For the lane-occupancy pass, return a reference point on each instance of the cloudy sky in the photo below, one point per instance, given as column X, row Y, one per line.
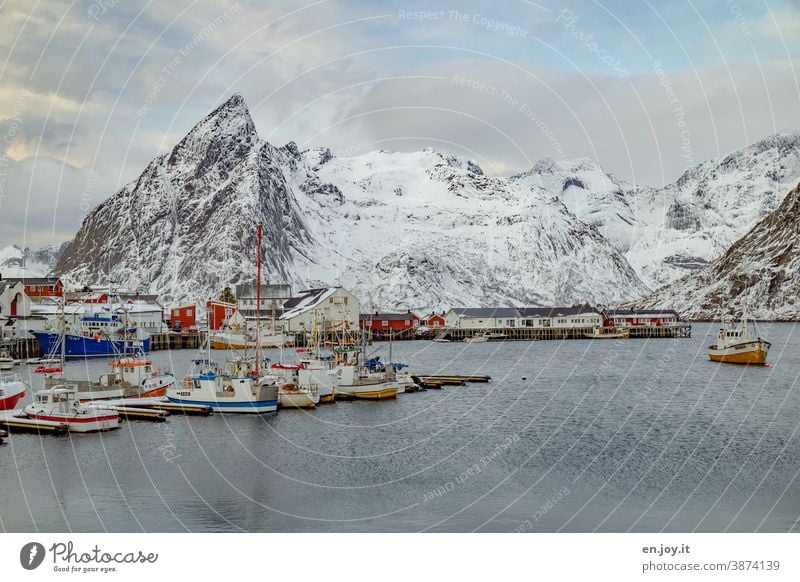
column 91, row 91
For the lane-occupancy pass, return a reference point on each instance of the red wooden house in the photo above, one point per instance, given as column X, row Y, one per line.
column 433, row 320
column 218, row 312
column 183, row 317
column 40, row 286
column 389, row 321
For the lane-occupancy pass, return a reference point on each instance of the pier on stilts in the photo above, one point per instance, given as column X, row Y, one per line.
column 568, row 333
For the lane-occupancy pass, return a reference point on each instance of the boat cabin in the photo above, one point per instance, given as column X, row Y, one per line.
column 62, row 398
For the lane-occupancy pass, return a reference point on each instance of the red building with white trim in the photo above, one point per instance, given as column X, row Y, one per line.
column 218, row 312
column 39, row 286
column 388, row 321
column 183, row 317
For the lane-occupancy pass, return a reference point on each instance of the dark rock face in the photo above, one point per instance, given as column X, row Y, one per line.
column 176, row 228
column 762, row 268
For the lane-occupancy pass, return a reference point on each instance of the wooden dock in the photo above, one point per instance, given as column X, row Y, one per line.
column 22, row 348
column 24, row 424
column 184, row 340
column 437, row 381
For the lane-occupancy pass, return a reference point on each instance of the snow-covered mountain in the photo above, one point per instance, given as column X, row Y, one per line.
column 400, row 229
column 16, row 261
column 667, row 232
column 762, row 268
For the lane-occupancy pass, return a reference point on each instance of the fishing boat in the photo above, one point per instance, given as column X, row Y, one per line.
column 609, row 332
column 355, row 380
column 61, row 404
column 238, row 387
column 737, row 345
column 246, row 340
column 12, row 390
column 132, row 377
column 292, row 393
column 100, row 335
column 486, row 336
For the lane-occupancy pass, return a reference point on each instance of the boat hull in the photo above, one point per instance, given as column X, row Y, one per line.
column 368, row 392
column 75, row 423
column 252, row 407
column 753, row 352
column 78, row 346
column 296, row 400
column 10, row 394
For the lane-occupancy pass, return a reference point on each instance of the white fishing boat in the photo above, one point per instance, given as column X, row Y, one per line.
column 486, row 336
column 60, row 404
column 12, row 390
column 608, row 333
column 292, row 393
column 246, row 340
column 239, row 387
column 356, row 382
column 736, row 344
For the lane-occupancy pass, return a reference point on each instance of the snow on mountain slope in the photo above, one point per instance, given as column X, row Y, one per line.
column 400, row 229
column 667, row 232
column 591, row 195
column 18, row 262
column 432, row 229
column 763, row 268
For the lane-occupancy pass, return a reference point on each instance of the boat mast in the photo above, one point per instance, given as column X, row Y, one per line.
column 258, row 301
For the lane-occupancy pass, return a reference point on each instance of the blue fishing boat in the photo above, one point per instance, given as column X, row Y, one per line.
column 100, row 337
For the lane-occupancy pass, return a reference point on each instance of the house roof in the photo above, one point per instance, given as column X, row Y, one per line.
column 308, row 299
column 6, row 284
column 640, row 312
column 33, row 280
column 486, row 311
column 555, row 311
column 387, row 316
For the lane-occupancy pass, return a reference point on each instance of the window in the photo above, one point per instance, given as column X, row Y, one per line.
column 407, row 322
column 384, row 323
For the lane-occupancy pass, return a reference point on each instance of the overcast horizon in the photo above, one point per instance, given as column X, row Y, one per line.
column 91, row 92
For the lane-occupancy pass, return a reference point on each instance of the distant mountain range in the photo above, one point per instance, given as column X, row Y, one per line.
column 761, row 269
column 424, row 228
column 16, row 261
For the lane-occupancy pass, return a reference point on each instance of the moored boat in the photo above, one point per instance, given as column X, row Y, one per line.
column 486, row 336
column 60, row 404
column 737, row 345
column 238, row 387
column 608, row 332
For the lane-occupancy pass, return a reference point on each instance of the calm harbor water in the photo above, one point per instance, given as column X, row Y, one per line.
column 642, row 435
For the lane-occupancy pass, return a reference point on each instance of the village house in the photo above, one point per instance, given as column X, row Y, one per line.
column 643, row 317
column 337, row 307
column 558, row 317
column 39, row 286
column 481, row 317
column 389, row 321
